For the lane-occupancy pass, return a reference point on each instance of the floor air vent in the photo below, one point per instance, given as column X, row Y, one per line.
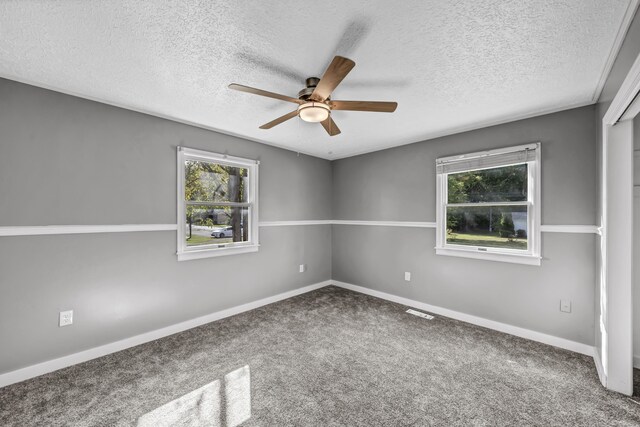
column 420, row 314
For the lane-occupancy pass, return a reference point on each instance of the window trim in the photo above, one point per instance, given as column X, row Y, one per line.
column 533, row 255
column 197, row 252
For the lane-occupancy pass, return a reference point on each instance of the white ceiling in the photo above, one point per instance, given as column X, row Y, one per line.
column 450, row 65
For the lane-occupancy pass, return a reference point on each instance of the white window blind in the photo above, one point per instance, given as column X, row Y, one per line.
column 487, row 159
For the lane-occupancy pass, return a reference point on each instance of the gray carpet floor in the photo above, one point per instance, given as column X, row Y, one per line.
column 327, row 358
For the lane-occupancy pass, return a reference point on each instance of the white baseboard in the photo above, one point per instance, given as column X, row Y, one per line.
column 599, row 368
column 92, row 353
column 636, row 362
column 486, row 323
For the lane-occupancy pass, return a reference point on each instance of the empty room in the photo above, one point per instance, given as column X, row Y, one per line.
column 295, row 213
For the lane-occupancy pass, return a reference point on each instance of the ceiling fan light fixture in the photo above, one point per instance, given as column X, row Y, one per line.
column 314, row 112
column 314, row 101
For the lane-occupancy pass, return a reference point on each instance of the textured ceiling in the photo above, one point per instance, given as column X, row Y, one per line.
column 450, row 65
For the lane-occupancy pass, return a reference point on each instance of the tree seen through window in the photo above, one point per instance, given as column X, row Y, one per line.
column 216, row 203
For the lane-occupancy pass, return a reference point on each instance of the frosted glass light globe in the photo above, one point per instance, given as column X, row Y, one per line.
column 314, row 112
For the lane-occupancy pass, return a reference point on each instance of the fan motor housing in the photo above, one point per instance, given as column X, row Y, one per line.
column 311, row 83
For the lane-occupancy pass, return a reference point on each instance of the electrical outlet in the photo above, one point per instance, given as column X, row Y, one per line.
column 303, row 268
column 407, row 276
column 66, row 318
column 565, row 305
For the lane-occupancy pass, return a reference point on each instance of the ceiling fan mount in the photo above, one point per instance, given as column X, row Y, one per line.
column 311, row 83
column 314, row 101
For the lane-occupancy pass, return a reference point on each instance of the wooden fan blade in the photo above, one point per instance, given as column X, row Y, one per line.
column 261, row 92
column 279, row 120
column 335, row 73
column 330, row 126
column 373, row 106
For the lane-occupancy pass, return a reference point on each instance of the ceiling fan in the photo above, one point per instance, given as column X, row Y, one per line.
column 314, row 102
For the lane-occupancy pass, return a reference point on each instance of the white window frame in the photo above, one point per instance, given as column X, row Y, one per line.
column 206, row 251
column 532, row 255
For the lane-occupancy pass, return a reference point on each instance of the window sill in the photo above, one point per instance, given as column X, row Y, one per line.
column 491, row 256
column 211, row 253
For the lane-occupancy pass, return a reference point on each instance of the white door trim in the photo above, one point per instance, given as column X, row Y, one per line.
column 615, row 355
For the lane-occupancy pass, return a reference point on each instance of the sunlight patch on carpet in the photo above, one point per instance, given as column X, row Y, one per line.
column 224, row 403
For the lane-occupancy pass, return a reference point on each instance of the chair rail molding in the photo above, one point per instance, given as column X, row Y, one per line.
column 44, row 230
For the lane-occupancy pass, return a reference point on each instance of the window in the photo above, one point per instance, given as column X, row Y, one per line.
column 217, row 204
column 488, row 205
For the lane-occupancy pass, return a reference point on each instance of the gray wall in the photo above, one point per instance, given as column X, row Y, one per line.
column 399, row 184
column 626, row 56
column 65, row 160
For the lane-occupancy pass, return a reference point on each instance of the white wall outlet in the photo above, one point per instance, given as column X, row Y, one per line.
column 407, row 276
column 565, row 305
column 303, row 268
column 66, row 318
